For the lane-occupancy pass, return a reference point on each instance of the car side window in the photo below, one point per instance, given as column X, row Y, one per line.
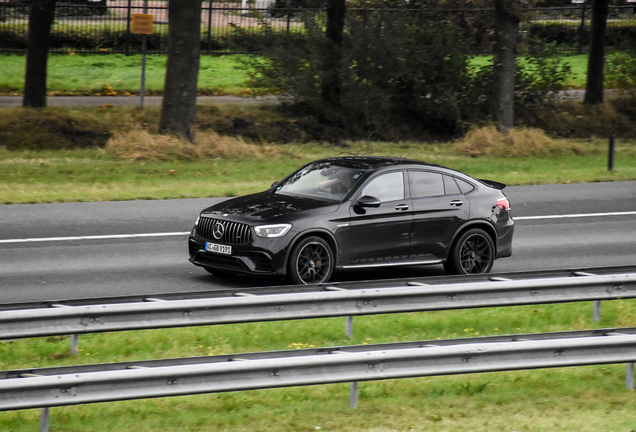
column 426, row 184
column 465, row 186
column 450, row 186
column 386, row 187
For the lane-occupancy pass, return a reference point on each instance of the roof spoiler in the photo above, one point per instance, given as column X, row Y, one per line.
column 493, row 184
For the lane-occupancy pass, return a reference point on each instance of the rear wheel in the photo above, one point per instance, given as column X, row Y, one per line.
column 311, row 262
column 472, row 253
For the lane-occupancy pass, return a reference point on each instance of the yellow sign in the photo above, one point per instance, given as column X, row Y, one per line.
column 142, row 23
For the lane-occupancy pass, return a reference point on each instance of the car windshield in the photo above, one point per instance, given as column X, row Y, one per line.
column 322, row 180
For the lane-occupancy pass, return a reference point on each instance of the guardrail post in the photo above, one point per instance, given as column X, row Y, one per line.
column 353, row 394
column 629, row 376
column 74, row 342
column 596, row 315
column 44, row 420
column 349, row 326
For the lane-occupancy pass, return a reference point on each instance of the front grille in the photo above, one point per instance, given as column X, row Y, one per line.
column 233, row 232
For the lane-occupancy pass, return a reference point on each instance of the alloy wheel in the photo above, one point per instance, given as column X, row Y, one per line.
column 475, row 254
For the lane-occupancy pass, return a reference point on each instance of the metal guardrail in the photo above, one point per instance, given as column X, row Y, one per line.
column 332, row 302
column 334, row 367
column 223, row 358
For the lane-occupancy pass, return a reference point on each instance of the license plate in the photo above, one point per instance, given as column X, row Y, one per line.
column 218, row 248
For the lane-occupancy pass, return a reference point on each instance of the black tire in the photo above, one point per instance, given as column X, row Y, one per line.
column 310, row 262
column 472, row 253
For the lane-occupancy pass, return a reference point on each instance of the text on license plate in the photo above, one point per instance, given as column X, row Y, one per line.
column 218, row 248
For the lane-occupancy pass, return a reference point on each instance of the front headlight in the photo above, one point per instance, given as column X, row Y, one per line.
column 272, row 231
column 194, row 228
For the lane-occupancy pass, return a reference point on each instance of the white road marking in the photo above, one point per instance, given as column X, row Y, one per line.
column 98, row 237
column 570, row 216
column 173, row 234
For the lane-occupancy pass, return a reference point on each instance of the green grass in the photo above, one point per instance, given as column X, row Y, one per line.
column 566, row 399
column 118, row 74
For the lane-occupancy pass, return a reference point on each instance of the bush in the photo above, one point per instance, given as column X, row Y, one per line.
column 402, row 74
column 488, row 141
column 620, row 70
column 139, row 144
column 51, row 128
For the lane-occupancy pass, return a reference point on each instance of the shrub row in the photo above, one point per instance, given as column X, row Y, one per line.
column 620, row 35
column 476, row 30
column 109, row 39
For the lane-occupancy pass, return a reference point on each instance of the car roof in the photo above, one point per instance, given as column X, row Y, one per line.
column 372, row 162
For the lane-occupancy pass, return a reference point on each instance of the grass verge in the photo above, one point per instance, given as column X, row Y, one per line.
column 98, row 175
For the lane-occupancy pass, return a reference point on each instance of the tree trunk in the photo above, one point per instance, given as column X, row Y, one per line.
column 505, row 63
column 179, row 106
column 332, row 83
column 40, row 20
column 596, row 60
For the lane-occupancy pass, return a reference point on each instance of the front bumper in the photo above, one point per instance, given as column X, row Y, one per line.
column 250, row 258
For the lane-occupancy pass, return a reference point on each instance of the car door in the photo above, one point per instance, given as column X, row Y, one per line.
column 381, row 234
column 439, row 209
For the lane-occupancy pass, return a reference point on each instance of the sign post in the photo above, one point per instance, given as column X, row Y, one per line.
column 142, row 24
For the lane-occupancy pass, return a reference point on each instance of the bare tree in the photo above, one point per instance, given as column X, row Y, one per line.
column 179, row 106
column 594, row 87
column 505, row 63
column 40, row 20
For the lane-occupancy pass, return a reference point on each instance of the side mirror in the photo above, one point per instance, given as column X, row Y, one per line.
column 368, row 202
column 274, row 185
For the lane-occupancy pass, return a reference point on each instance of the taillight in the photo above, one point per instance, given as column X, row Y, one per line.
column 503, row 204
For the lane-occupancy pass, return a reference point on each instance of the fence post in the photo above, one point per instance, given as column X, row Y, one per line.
column 610, row 155
column 209, row 25
column 127, row 44
column 582, row 29
column 629, row 376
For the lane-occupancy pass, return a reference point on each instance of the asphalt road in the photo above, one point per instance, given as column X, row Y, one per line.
column 557, row 226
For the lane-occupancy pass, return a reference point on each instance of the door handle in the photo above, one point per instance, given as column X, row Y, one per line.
column 402, row 207
column 456, row 203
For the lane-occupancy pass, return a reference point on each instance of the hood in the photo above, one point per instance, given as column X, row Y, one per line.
column 267, row 206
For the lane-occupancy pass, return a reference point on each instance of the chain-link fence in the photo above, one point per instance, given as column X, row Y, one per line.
column 101, row 26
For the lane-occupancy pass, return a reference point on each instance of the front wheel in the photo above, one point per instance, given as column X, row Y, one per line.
column 472, row 253
column 311, row 262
